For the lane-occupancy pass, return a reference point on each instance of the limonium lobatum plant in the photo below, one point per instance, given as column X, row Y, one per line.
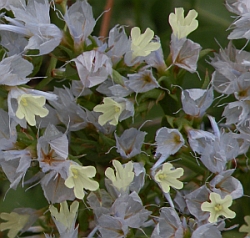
column 101, row 137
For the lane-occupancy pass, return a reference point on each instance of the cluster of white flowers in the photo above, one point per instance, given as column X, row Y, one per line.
column 58, row 130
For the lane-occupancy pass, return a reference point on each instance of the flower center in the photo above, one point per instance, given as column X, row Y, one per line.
column 117, row 109
column 162, row 176
column 24, row 102
column 75, row 173
column 218, row 207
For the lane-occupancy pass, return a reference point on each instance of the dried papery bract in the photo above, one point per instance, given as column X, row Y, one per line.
column 15, row 164
column 93, row 67
column 80, row 21
column 118, row 44
column 196, row 101
column 169, row 224
column 126, row 212
column 13, row 42
column 168, row 142
column 68, row 111
column 142, row 81
column 225, row 184
column 185, row 53
column 14, row 71
column 33, row 21
column 130, row 142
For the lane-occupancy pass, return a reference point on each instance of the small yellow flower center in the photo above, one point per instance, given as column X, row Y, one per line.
column 177, row 139
column 24, row 102
column 218, row 207
column 117, row 109
column 162, row 176
column 75, row 173
column 147, row 79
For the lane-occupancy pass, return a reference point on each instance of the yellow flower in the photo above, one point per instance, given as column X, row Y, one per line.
column 218, row 207
column 111, row 111
column 183, row 26
column 167, row 176
column 79, row 179
column 124, row 175
column 66, row 217
column 14, row 222
column 29, row 106
column 141, row 44
column 245, row 228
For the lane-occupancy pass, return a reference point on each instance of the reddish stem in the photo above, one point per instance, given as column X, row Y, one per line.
column 106, row 18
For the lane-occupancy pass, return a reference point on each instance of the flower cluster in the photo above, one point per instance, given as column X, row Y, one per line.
column 59, row 126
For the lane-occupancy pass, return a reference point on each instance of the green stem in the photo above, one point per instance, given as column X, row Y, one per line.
column 45, row 81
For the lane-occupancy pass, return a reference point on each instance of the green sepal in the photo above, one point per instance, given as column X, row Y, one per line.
column 206, row 81
column 2, row 52
column 62, row 53
column 205, row 52
column 156, row 94
column 178, row 122
column 71, row 72
column 117, row 78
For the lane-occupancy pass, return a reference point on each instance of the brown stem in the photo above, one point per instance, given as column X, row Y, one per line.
column 106, row 18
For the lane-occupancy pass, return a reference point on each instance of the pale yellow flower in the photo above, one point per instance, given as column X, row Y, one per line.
column 141, row 44
column 183, row 26
column 30, row 106
column 111, row 111
column 245, row 228
column 167, row 177
column 80, row 178
column 218, row 207
column 65, row 216
column 123, row 177
column 14, row 222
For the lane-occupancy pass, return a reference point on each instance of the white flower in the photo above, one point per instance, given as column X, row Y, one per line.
column 167, row 176
column 30, row 106
column 218, row 207
column 141, row 44
column 111, row 111
column 246, row 228
column 80, row 178
column 65, row 217
column 14, row 223
column 183, row 26
column 29, row 102
column 123, row 177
